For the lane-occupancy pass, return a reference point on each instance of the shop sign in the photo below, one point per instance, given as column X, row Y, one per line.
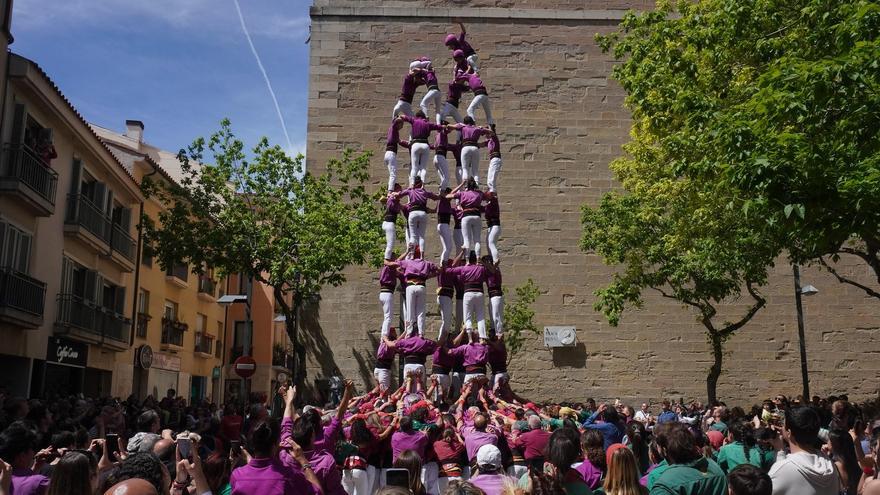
column 166, row 361
column 67, row 352
column 215, row 373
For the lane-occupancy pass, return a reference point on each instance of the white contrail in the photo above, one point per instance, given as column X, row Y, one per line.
column 265, row 75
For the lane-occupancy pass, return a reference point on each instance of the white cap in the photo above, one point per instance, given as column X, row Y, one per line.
column 489, row 455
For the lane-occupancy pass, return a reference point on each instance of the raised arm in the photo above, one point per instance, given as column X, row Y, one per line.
column 346, row 399
column 463, row 32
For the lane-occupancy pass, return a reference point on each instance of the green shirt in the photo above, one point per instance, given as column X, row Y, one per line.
column 733, row 454
column 700, row 477
column 656, row 472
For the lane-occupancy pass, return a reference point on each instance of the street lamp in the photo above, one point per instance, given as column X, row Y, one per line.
column 230, row 299
column 799, row 291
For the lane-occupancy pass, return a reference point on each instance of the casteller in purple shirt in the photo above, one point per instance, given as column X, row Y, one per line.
column 421, row 128
column 413, row 440
column 27, row 482
column 473, row 354
column 270, row 476
column 492, row 484
column 415, row 345
column 418, row 268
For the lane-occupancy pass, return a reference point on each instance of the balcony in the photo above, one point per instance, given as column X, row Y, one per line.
column 88, row 223
column 282, row 357
column 207, row 289
column 86, row 321
column 172, row 334
column 123, row 248
column 143, row 324
column 204, row 345
column 23, row 174
column 21, row 299
column 178, row 275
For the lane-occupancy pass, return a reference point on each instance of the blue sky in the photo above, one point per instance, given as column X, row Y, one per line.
column 179, row 66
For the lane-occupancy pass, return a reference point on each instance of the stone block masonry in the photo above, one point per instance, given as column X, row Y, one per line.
column 561, row 121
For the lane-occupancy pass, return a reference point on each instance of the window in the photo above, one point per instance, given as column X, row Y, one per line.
column 219, row 346
column 201, row 323
column 147, row 253
column 144, row 302
column 170, row 310
column 15, row 248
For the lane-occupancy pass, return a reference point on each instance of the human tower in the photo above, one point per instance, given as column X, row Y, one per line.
column 465, row 349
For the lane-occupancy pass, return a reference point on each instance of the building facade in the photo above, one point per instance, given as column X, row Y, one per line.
column 178, row 324
column 561, row 121
column 69, row 246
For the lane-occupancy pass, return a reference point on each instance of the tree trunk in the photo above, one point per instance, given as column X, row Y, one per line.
column 715, row 370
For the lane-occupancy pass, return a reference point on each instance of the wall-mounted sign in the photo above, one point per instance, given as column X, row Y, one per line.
column 245, row 366
column 68, row 352
column 166, row 361
column 143, row 357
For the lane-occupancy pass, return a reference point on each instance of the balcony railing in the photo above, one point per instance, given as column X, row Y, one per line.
column 204, row 343
column 172, row 332
column 76, row 312
column 81, row 211
column 21, row 292
column 143, row 322
column 208, row 286
column 23, row 164
column 122, row 243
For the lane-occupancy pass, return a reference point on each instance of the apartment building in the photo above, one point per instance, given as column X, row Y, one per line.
column 68, row 248
column 178, row 333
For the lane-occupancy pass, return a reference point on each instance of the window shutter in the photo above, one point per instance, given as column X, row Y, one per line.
column 125, row 219
column 3, row 236
column 19, row 124
column 108, row 206
column 76, row 176
column 120, row 300
column 66, row 275
column 10, row 254
column 100, row 196
column 90, row 292
column 24, row 253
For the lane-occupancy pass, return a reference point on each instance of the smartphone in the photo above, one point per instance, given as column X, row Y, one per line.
column 235, row 447
column 184, row 446
column 111, row 443
column 397, row 477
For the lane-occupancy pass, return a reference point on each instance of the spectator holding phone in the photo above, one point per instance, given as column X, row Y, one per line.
column 18, row 449
column 804, row 470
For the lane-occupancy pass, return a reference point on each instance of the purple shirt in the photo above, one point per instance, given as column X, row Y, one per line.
column 27, row 482
column 418, row 196
column 454, row 91
column 414, row 440
column 455, row 149
column 441, row 143
column 431, row 79
column 465, row 46
column 444, row 206
column 384, row 352
column 410, row 83
column 497, row 357
column 442, row 358
column 473, row 80
column 326, row 471
column 493, row 279
column 388, row 277
column 418, row 268
column 474, row 354
column 446, row 279
column 470, row 200
column 269, row 476
column 469, row 274
column 492, row 209
column 393, row 135
column 470, row 133
column 415, row 345
column 325, row 439
column 474, row 439
column 421, row 128
column 591, row 474
column 494, row 145
column 392, row 208
column 492, row 484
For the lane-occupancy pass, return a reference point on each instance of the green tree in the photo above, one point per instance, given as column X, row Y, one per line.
column 519, row 323
column 268, row 219
column 777, row 99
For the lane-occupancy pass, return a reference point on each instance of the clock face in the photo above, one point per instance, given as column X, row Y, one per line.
column 567, row 336
column 145, row 356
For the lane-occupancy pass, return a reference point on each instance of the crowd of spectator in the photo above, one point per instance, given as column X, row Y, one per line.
column 411, row 441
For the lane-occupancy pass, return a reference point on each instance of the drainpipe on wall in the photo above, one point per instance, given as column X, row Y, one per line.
column 137, row 262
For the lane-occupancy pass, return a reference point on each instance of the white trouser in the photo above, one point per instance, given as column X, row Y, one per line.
column 474, row 309
column 434, row 96
column 517, row 471
column 420, row 155
column 470, row 166
column 472, row 376
column 492, row 175
column 407, row 235
column 387, row 300
column 445, row 232
column 497, row 305
column 415, row 308
column 499, row 378
column 442, row 166
column 418, row 224
column 457, row 382
column 402, row 107
column 470, row 230
column 457, row 172
column 359, row 481
column 492, row 236
column 415, row 369
column 429, row 478
column 404, row 310
column 443, row 483
column 383, row 377
column 390, row 237
column 457, row 238
column 444, row 382
column 459, row 313
column 391, row 163
column 445, row 303
column 450, row 111
column 474, row 62
column 481, row 101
